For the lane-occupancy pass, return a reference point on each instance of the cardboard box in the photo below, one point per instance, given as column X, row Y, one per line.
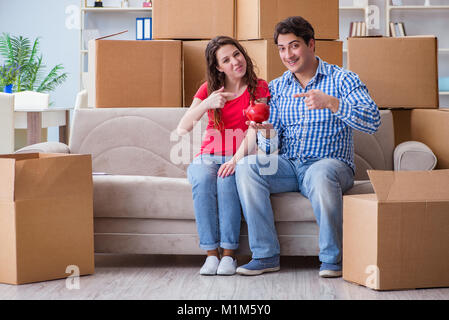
column 256, row 19
column 399, row 72
column 330, row 51
column 265, row 56
column 194, row 68
column 46, row 217
column 193, row 19
column 126, row 73
column 398, row 238
column 430, row 127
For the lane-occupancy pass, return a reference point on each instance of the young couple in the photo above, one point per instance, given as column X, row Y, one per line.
column 314, row 106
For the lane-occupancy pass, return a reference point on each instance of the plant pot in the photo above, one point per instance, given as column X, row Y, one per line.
column 8, row 88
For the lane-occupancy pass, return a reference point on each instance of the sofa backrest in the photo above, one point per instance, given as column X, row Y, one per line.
column 143, row 141
column 374, row 151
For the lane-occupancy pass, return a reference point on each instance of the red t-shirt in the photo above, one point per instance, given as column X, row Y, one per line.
column 227, row 140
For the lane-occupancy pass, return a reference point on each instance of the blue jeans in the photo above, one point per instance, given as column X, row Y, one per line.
column 216, row 203
column 321, row 181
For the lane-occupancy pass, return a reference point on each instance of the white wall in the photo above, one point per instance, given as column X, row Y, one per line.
column 58, row 43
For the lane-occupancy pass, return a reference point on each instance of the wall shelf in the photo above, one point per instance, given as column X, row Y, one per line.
column 135, row 9
column 389, row 8
column 88, row 12
column 352, row 8
column 418, row 7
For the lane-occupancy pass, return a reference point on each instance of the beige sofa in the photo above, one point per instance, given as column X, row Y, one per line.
column 143, row 204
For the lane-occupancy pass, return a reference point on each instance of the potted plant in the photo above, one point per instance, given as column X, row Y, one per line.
column 8, row 75
column 18, row 51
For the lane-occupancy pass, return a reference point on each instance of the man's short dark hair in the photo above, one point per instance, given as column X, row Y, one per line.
column 297, row 25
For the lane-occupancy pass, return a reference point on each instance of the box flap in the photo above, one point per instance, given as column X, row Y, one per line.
column 410, row 185
column 52, row 177
column 111, row 35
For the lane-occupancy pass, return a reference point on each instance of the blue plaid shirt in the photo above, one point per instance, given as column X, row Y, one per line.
column 318, row 134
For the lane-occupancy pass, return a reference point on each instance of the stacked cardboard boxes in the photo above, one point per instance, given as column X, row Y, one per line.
column 250, row 21
column 393, row 239
column 167, row 71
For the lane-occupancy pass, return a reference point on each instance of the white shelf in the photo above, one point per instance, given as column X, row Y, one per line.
column 91, row 13
column 442, row 50
column 135, row 9
column 444, row 93
column 352, row 8
column 417, row 7
column 389, row 8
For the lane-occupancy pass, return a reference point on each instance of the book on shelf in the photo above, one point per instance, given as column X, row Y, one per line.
column 401, row 27
column 358, row 29
column 397, row 29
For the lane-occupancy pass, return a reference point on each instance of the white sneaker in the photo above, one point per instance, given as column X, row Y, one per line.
column 227, row 266
column 210, row 266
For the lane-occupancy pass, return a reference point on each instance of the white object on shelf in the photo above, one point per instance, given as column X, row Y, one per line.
column 427, row 3
column 31, row 99
column 360, row 3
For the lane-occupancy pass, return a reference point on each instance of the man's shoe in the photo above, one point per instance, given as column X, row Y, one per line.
column 259, row 266
column 330, row 270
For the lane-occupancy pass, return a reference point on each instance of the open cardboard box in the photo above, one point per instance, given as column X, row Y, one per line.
column 46, row 217
column 398, row 238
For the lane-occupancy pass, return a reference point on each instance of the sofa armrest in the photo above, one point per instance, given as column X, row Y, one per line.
column 414, row 155
column 45, row 147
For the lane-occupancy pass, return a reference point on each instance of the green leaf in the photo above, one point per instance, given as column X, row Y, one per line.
column 18, row 51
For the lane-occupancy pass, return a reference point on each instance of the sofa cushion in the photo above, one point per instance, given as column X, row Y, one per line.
column 134, row 141
column 123, row 196
column 374, row 151
column 171, row 198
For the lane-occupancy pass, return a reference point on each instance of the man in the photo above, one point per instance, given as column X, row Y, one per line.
column 314, row 107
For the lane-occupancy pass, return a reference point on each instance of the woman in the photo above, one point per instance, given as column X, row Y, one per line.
column 231, row 85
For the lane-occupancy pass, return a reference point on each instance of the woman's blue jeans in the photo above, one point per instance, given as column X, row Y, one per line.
column 323, row 182
column 216, row 203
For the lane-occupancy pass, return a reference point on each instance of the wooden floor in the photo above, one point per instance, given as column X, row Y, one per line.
column 177, row 277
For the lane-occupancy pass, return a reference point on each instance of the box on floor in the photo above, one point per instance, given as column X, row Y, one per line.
column 127, row 73
column 193, row 19
column 264, row 53
column 398, row 72
column 46, row 217
column 256, row 19
column 398, row 238
column 430, row 127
